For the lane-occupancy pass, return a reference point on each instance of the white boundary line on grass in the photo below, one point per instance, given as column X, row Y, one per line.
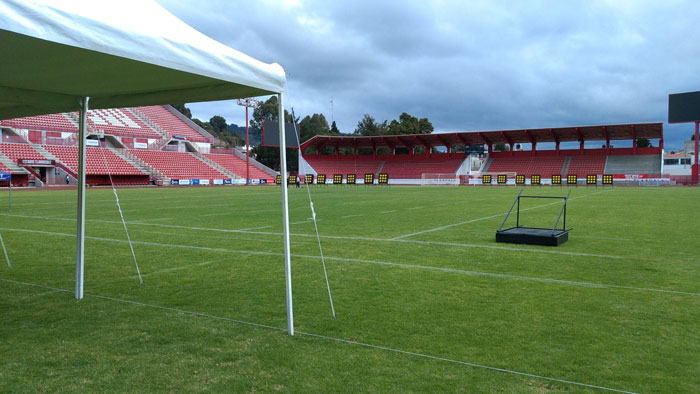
column 489, row 217
column 344, row 237
column 345, row 341
column 385, row 263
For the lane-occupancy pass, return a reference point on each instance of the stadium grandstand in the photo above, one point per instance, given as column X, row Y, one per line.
column 425, row 158
column 126, row 146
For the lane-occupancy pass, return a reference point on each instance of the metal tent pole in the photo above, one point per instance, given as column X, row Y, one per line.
column 80, row 245
column 285, row 218
column 247, row 150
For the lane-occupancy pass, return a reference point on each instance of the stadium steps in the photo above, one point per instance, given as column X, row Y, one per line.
column 148, row 122
column 136, row 162
column 255, row 163
column 74, row 118
column 567, row 164
column 380, row 168
column 633, row 164
column 68, row 116
column 215, row 165
column 11, row 165
column 44, row 152
column 487, row 165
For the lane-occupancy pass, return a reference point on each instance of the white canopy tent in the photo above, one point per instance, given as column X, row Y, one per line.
column 63, row 55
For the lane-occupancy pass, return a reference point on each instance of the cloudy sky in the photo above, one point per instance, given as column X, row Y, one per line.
column 466, row 65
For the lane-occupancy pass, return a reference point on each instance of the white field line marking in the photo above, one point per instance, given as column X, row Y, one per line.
column 149, row 220
column 144, row 200
column 603, row 238
column 139, row 223
column 413, row 208
column 466, row 363
column 488, row 217
column 48, row 292
column 226, row 238
column 319, row 336
column 182, row 267
column 384, row 263
column 264, row 210
column 349, row 216
column 343, row 237
column 254, row 228
column 392, row 211
column 307, row 220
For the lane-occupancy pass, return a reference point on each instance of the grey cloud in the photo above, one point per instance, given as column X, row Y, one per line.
column 469, row 65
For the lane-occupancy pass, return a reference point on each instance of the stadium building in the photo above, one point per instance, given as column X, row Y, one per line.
column 141, row 146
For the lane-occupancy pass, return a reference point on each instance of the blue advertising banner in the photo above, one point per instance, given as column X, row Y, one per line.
column 227, row 181
column 263, row 181
column 5, row 176
column 174, row 182
column 195, row 181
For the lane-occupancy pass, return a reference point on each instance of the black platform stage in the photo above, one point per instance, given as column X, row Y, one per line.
column 532, row 236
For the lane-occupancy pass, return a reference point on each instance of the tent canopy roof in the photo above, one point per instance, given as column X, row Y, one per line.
column 523, row 136
column 122, row 53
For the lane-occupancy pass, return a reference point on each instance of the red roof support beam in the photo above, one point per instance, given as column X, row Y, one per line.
column 488, row 143
column 607, row 139
column 459, row 136
column 321, row 145
column 420, row 141
column 556, row 140
column 409, row 147
column 532, row 141
column 580, row 139
column 510, row 142
column 447, row 144
column 391, row 146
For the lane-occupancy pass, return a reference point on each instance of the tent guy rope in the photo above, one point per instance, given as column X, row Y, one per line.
column 119, row 207
column 313, row 211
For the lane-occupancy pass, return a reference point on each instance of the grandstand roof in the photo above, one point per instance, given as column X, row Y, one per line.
column 523, row 136
column 120, row 54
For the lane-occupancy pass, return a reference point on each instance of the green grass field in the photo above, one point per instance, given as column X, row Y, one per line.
column 426, row 300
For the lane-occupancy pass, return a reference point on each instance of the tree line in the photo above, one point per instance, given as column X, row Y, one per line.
column 309, row 126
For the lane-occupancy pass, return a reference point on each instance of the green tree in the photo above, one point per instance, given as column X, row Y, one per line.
column 183, row 109
column 218, row 123
column 368, row 126
column 334, row 129
column 315, row 124
column 205, row 125
column 409, row 124
column 643, row 143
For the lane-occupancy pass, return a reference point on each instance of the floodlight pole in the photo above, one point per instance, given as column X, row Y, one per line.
column 80, row 244
column 247, row 103
column 285, row 218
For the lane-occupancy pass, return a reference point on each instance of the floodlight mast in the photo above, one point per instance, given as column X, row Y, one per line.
column 247, row 103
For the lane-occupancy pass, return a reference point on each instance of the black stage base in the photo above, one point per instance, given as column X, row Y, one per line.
column 532, row 236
